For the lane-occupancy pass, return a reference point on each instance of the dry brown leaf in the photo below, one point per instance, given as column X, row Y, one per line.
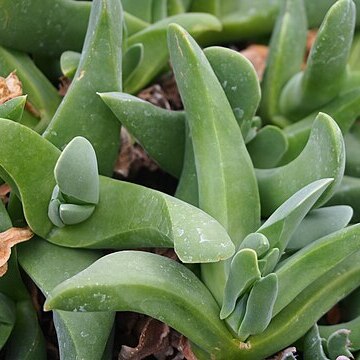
column 153, row 339
column 182, row 344
column 64, row 85
column 155, row 95
column 257, row 55
column 8, row 239
column 131, row 157
column 10, row 87
column 4, row 191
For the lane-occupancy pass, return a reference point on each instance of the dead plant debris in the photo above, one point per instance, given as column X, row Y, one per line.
column 8, row 239
column 132, row 158
column 158, row 340
column 10, row 87
column 4, row 192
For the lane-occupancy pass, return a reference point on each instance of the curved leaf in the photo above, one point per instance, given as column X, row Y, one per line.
column 312, row 303
column 243, row 273
column 314, row 261
column 156, row 286
column 7, row 318
column 127, row 215
column 353, row 326
column 131, row 61
column 239, row 80
column 69, row 62
column 287, row 47
column 259, row 306
column 211, row 118
column 76, row 172
column 42, row 95
column 156, row 53
column 13, row 109
column 82, row 336
column 160, row 132
column 82, row 112
column 344, row 109
column 326, row 64
column 322, row 157
column 348, row 193
column 280, row 226
column 319, row 223
column 268, row 147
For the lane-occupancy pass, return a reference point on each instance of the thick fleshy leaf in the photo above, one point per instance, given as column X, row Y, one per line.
column 310, row 305
column 79, row 335
column 187, row 189
column 41, row 94
column 287, row 47
column 220, row 163
column 149, row 284
column 326, row 64
column 127, row 215
column 268, row 147
column 156, row 53
column 159, row 131
column 319, row 223
column 221, row 158
column 313, row 345
column 322, row 157
column 352, row 146
column 352, row 325
column 344, row 109
column 69, row 62
column 13, row 109
column 76, row 172
column 7, row 318
column 82, row 112
column 239, row 80
column 259, row 306
column 348, row 193
column 280, row 226
column 338, row 344
column 256, row 241
column 314, row 261
column 49, row 32
column 131, row 61
column 141, row 8
column 243, row 273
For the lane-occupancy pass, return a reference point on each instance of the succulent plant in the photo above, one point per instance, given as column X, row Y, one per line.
column 262, row 255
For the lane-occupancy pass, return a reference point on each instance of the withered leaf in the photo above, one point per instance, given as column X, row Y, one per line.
column 4, row 191
column 153, row 339
column 8, row 239
column 131, row 158
column 10, row 87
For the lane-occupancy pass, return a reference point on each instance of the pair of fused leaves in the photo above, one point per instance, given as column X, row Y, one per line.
column 291, row 95
column 259, row 254
column 337, row 345
column 76, row 192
